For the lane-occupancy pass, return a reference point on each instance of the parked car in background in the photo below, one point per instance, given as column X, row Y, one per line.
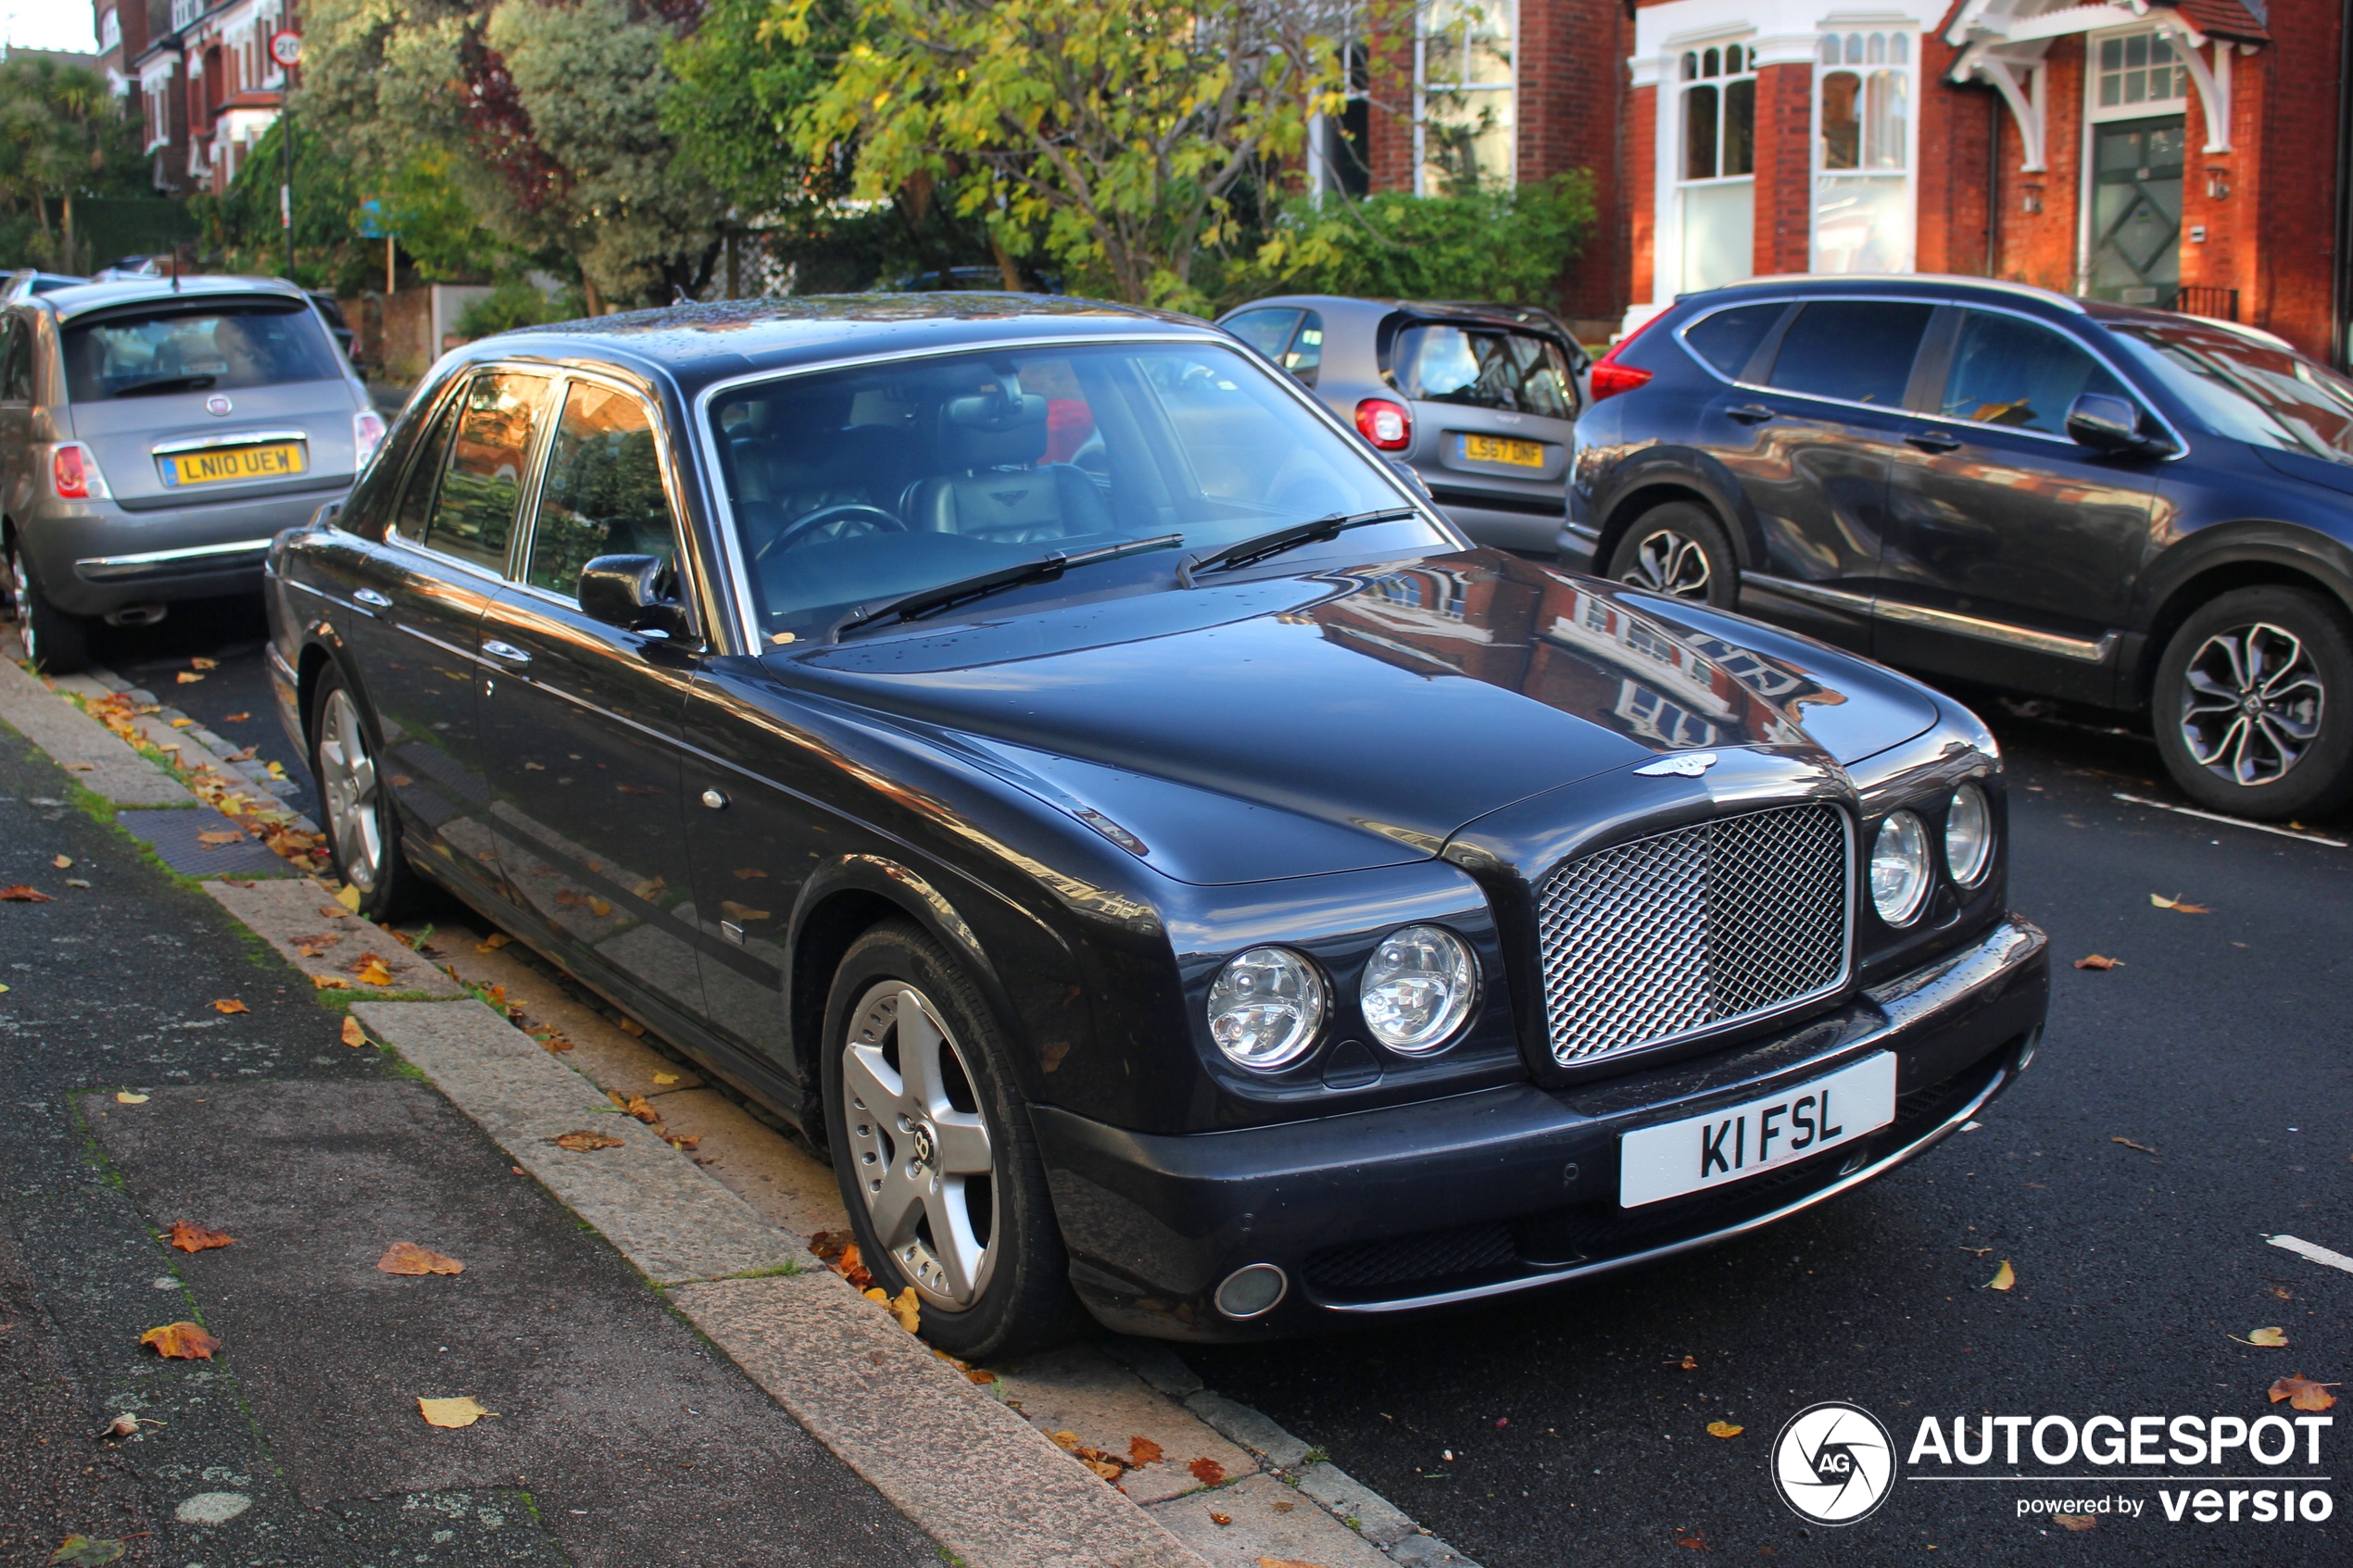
column 1480, row 399
column 153, row 436
column 2101, row 504
column 1040, row 752
column 338, row 325
column 27, row 282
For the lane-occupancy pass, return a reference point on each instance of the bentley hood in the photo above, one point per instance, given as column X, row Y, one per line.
column 1343, row 720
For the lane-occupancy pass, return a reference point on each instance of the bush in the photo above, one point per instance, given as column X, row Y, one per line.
column 1507, row 245
column 516, row 303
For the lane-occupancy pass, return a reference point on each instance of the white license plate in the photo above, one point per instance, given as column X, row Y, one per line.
column 1740, row 1141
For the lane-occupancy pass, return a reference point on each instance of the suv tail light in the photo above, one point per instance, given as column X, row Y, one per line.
column 366, row 434
column 73, row 471
column 1609, row 378
column 1387, row 425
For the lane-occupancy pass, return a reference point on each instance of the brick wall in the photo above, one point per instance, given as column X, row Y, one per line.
column 2290, row 183
column 1957, row 124
column 2039, row 247
column 1640, row 187
column 1572, row 104
column 1784, row 169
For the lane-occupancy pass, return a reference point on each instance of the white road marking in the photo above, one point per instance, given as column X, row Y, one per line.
column 2232, row 822
column 2318, row 1254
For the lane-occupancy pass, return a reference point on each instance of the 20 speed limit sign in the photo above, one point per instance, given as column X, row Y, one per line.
column 287, row 48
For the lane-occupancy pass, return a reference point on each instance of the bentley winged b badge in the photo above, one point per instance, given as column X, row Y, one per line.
column 1688, row 764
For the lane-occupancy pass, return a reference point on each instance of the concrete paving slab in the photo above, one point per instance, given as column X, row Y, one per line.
column 1249, row 1428
column 1267, row 1519
column 99, row 761
column 1345, row 1498
column 788, row 1186
column 667, row 1217
column 1079, row 1389
column 971, row 1474
column 301, row 919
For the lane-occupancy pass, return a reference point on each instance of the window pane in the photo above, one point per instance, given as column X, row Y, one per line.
column 1708, row 64
column 1740, row 127
column 475, row 513
column 1267, row 330
column 1482, row 370
column 416, row 502
column 1699, row 134
column 1858, row 349
column 2011, row 372
column 1885, row 114
column 1727, row 339
column 1842, row 120
column 1862, row 223
column 1719, row 234
column 2247, row 389
column 603, row 496
column 209, row 348
column 1307, row 349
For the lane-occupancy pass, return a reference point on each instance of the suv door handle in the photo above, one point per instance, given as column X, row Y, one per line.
column 1934, row 440
column 507, row 653
column 1750, row 413
column 372, row 600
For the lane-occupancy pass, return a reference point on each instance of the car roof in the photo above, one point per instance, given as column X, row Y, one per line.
column 1927, row 284
column 83, row 298
column 693, row 346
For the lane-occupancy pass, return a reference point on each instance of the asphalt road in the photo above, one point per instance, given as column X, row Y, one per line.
column 1566, row 1430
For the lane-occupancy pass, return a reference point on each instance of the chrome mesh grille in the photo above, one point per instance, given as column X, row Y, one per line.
column 1699, row 927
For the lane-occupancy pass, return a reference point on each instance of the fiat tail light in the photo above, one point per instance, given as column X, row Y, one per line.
column 73, row 472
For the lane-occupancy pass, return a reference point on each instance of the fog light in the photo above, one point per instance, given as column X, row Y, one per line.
column 1252, row 1291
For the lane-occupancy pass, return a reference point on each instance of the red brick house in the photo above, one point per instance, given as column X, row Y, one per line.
column 2185, row 154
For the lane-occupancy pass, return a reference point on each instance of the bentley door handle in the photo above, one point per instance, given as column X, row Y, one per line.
column 507, row 653
column 1934, row 440
column 1750, row 413
column 372, row 600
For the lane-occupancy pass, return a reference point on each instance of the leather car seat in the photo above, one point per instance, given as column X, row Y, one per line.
column 999, row 491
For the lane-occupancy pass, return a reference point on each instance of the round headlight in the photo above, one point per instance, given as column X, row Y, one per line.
column 1266, row 1008
column 1899, row 868
column 1968, row 835
column 1419, row 988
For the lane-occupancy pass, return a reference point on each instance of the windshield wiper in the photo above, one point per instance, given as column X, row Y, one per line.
column 164, row 383
column 1281, row 539
column 922, row 601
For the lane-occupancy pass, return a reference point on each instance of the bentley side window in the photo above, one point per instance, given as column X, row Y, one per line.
column 473, row 515
column 603, row 495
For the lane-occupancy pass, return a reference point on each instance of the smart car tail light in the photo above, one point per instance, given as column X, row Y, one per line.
column 1609, row 376
column 366, row 434
column 73, row 471
column 1387, row 425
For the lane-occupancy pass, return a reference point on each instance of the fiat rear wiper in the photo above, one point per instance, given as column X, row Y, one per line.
column 922, row 601
column 1281, row 539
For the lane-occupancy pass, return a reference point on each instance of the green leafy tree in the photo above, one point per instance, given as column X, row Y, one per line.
column 62, row 134
column 1132, row 139
column 1509, row 244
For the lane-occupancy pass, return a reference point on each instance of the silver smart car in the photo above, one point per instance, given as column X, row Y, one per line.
column 1481, row 400
column 153, row 436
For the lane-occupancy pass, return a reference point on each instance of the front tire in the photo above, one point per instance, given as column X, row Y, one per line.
column 363, row 826
column 54, row 642
column 1679, row 550
column 2254, row 705
column 937, row 1163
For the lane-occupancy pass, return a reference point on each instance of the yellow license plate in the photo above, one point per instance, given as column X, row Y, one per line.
column 225, row 465
column 1496, row 449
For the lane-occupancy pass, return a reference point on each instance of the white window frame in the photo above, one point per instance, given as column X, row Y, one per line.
column 1888, row 34
column 1677, row 88
column 109, row 32
column 1424, row 84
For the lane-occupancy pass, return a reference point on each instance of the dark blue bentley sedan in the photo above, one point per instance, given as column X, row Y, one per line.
column 1036, row 748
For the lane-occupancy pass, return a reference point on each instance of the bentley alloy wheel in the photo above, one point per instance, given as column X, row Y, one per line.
column 349, row 784
column 2252, row 704
column 919, row 1146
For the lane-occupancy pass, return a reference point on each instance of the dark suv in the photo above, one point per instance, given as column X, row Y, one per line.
column 2110, row 505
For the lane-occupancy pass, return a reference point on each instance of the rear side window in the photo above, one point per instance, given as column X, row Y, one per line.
column 197, row 348
column 1859, row 350
column 424, row 475
column 1267, row 330
column 2011, row 372
column 1479, row 368
column 1728, row 339
column 603, row 496
column 16, row 362
column 474, row 512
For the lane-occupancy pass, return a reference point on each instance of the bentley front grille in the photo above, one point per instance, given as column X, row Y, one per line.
column 1686, row 930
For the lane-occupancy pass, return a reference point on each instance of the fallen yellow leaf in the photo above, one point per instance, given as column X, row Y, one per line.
column 408, row 1258
column 491, row 944
column 908, row 1310
column 124, row 1097
column 187, row 679
column 230, row 1004
column 2178, row 905
column 585, row 1141
column 740, row 912
column 349, row 897
column 204, row 664
column 63, row 863
column 87, row 1551
column 2266, row 1338
column 665, row 1077
column 195, row 1238
column 182, row 1342
column 451, row 1413
column 2303, row 1394
column 2076, row 1521
column 2004, row 1277
column 598, row 908
column 331, row 983
column 353, row 1034
column 2098, row 960
column 1724, row 1429
column 215, row 840
column 373, row 973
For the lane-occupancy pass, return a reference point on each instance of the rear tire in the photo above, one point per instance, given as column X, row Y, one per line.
column 931, row 1142
column 363, row 826
column 1679, row 550
column 54, row 642
column 2253, row 706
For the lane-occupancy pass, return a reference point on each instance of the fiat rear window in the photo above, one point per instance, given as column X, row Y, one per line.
column 211, row 347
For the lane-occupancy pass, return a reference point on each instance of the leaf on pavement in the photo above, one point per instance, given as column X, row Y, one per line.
column 849, row 1268
column 2178, row 906
column 329, row 983
column 371, row 971
column 905, row 1307
column 451, row 1413
column 686, row 1141
column 2303, row 1394
column 224, row 835
column 2283, row 1292
column 492, row 943
column 661, row 1078
column 123, row 1425
column 63, row 863
column 1724, row 1429
column 1222, row 1520
column 2076, row 1521
column 1694, row 1540
column 2128, row 1143
column 598, row 908
column 1143, row 1451
column 1688, row 1363
column 585, row 1142
column 349, row 896
column 2004, row 1277
column 408, row 1258
column 124, row 1097
column 638, row 1105
column 187, row 677
column 981, row 1376
column 182, row 1342
column 230, row 1004
column 353, row 1034
column 740, row 912
column 20, row 894
column 1208, row 1471
column 830, row 1245
column 630, row 1026
column 85, row 1552
column 2265, row 1338
column 747, row 873
column 195, row 1238
column 204, row 664
column 2098, row 960
column 315, row 945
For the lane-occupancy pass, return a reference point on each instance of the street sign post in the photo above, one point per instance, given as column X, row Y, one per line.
column 286, row 49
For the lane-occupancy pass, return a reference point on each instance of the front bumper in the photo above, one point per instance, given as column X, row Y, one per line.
column 1417, row 1207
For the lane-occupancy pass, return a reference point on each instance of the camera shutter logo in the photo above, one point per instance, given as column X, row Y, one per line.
column 1834, row 1463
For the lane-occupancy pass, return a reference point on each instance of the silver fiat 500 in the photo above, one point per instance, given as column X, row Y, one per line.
column 154, row 434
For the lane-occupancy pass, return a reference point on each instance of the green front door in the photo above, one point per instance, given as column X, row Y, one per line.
column 2136, row 211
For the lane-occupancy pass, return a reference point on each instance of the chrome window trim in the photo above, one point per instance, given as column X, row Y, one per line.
column 2180, row 447
column 738, row 588
column 237, row 438
column 2083, row 650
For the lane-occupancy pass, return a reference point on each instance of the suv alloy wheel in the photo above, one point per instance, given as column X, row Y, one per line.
column 2254, row 704
column 1679, row 550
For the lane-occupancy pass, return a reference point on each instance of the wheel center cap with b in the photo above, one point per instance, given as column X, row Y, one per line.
column 925, row 1149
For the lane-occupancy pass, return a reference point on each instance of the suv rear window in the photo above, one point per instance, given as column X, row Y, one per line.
column 197, row 348
column 1484, row 368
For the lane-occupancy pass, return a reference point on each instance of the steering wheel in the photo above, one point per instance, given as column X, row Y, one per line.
column 840, row 511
